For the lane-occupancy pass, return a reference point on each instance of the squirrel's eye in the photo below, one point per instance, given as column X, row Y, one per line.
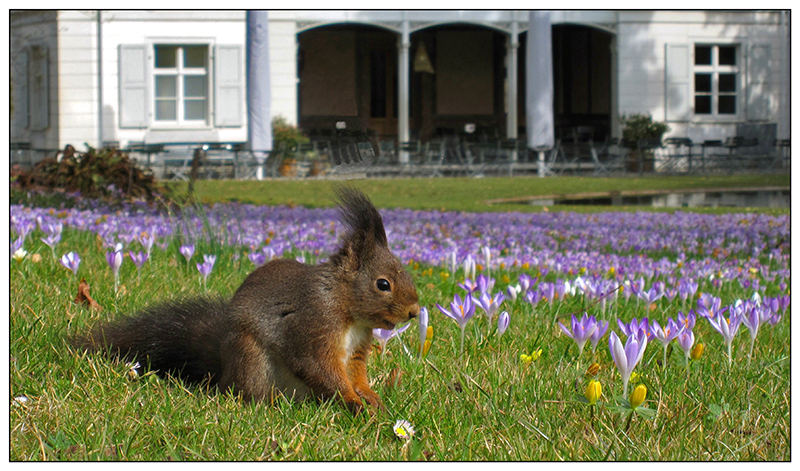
column 383, row 284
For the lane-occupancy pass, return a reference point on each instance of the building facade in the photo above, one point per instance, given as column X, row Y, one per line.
column 126, row 77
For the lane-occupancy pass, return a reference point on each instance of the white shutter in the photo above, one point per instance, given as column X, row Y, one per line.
column 678, row 76
column 19, row 80
column 132, row 86
column 229, row 86
column 759, row 90
column 39, row 89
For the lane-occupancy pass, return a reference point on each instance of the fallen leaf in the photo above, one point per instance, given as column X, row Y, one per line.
column 84, row 298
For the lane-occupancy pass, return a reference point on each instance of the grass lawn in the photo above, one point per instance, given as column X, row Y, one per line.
column 482, row 403
column 469, row 194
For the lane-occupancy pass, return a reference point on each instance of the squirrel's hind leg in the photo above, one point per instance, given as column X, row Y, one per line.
column 257, row 374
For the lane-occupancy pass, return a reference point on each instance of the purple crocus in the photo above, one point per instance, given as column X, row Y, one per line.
column 383, row 335
column 665, row 335
column 17, row 245
column 727, row 327
column 635, row 327
column 581, row 330
column 533, row 297
column 686, row 342
column 602, row 328
column 709, row 306
column 258, row 258
column 138, row 259
column 72, row 261
column 469, row 285
column 626, row 357
column 114, row 260
column 485, row 284
column 147, row 241
column 53, row 232
column 489, row 304
column 688, row 320
column 187, row 251
column 525, row 283
column 502, row 323
column 206, row 267
column 752, row 315
column 461, row 311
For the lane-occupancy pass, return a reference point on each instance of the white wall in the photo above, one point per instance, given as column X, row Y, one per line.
column 77, row 79
column 642, row 39
column 120, row 27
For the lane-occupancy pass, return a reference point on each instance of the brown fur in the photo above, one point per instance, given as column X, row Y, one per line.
column 291, row 329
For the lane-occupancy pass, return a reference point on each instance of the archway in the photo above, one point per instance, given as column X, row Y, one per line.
column 345, row 71
column 467, row 83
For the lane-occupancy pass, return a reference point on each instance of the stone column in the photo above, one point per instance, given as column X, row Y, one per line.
column 403, row 83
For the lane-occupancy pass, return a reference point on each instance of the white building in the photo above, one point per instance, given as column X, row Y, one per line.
column 179, row 76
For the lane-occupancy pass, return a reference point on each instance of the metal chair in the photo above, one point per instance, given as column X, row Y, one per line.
column 609, row 157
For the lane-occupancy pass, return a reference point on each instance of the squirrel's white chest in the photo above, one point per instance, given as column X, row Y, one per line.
column 354, row 337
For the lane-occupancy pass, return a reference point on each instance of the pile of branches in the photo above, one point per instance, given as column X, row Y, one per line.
column 107, row 174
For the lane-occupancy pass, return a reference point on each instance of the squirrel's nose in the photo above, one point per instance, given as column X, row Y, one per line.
column 414, row 311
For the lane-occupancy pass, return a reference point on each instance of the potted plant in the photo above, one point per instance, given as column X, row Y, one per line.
column 285, row 139
column 638, row 128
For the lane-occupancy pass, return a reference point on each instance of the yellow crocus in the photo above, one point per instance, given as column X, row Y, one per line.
column 593, row 369
column 594, row 391
column 697, row 351
column 638, row 395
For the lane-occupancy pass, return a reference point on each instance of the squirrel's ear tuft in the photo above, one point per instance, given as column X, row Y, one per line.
column 360, row 216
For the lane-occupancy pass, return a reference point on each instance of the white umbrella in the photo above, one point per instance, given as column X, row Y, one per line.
column 539, row 85
column 259, row 127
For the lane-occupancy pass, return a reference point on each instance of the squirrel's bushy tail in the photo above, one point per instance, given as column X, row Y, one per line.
column 180, row 337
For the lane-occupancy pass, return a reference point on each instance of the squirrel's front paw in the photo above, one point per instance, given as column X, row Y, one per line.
column 370, row 397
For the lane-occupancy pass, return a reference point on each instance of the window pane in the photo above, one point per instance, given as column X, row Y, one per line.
column 166, row 110
column 702, row 55
column 194, row 86
column 194, row 109
column 165, row 56
column 702, row 83
column 727, row 104
column 727, row 83
column 194, row 56
column 166, row 86
column 702, row 104
column 727, row 55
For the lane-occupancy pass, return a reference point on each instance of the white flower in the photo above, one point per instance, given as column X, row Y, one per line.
column 403, row 429
column 20, row 254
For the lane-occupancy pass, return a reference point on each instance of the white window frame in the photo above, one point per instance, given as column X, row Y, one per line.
column 715, row 69
column 180, row 71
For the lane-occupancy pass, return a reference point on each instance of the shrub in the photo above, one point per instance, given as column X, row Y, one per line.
column 641, row 127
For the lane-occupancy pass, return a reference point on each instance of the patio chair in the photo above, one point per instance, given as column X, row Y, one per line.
column 609, row 157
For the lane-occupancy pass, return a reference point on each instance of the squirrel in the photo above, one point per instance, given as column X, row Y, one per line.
column 290, row 329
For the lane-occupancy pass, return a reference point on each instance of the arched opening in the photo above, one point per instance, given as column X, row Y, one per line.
column 582, row 80
column 466, row 85
column 347, row 70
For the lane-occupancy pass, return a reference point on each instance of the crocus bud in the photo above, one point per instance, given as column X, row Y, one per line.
column 638, row 395
column 593, row 369
column 697, row 351
column 593, row 392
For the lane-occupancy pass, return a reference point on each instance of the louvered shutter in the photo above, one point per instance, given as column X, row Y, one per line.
column 229, row 86
column 132, row 86
column 678, row 92
column 39, row 88
column 759, row 90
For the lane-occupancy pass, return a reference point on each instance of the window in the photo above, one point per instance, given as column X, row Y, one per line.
column 716, row 80
column 181, row 84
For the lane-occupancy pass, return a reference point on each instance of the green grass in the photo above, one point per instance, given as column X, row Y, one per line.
column 465, row 194
column 479, row 405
